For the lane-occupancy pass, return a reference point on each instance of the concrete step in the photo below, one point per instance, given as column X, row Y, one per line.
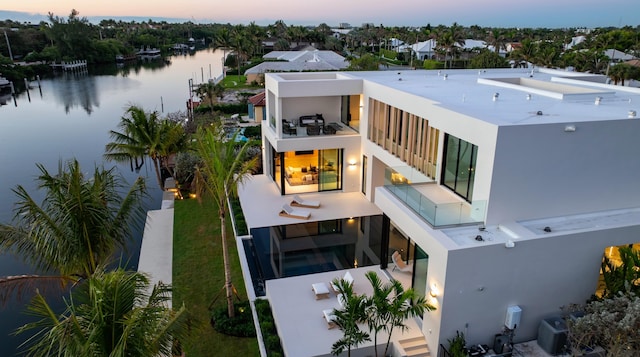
column 415, row 347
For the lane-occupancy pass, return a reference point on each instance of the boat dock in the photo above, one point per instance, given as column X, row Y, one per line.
column 71, row 66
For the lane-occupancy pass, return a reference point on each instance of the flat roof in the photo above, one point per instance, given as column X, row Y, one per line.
column 525, row 96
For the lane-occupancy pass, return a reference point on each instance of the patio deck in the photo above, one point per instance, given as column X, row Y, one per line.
column 266, row 203
column 298, row 315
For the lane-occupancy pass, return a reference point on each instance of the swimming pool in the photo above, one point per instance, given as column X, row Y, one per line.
column 312, row 247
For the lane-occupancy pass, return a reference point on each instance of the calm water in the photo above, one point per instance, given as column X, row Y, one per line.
column 70, row 117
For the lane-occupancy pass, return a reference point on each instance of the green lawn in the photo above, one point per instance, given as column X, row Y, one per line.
column 198, row 277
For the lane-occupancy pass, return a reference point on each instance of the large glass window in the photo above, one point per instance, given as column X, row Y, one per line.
column 420, row 265
column 458, row 169
column 308, row 170
column 330, row 162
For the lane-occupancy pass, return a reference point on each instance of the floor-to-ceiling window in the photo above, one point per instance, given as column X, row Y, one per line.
column 330, row 162
column 307, row 170
column 458, row 169
column 420, row 266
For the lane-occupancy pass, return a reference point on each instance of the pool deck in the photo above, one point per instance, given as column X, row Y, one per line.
column 299, row 319
column 266, row 203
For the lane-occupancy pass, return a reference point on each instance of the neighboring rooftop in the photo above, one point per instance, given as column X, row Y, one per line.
column 297, row 61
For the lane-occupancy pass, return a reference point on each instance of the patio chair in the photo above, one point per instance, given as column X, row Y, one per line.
column 399, row 263
column 289, row 128
column 313, row 130
column 328, row 129
column 288, row 211
column 320, row 290
column 297, row 201
column 330, row 318
column 347, row 277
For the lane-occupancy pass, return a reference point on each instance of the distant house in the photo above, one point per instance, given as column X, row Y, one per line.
column 296, row 61
column 618, row 56
column 257, row 106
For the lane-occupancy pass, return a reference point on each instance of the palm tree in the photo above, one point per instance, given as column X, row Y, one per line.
column 78, row 226
column 348, row 317
column 114, row 313
column 210, row 91
column 224, row 166
column 448, row 39
column 222, row 39
column 145, row 134
column 390, row 305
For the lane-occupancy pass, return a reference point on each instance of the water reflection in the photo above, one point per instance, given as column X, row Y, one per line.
column 70, row 116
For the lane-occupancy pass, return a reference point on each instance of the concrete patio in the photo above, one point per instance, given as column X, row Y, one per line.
column 298, row 315
column 266, row 203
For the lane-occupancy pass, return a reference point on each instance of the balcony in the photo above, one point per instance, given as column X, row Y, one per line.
column 436, row 204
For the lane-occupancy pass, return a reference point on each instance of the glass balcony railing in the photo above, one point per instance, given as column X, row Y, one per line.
column 441, row 214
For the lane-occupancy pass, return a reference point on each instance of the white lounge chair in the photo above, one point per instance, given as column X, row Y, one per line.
column 300, row 202
column 399, row 263
column 288, row 211
column 347, row 277
column 330, row 318
column 320, row 290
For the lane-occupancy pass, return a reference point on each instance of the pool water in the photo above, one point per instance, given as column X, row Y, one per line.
column 312, row 247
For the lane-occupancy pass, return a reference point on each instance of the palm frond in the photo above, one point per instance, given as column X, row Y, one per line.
column 21, row 286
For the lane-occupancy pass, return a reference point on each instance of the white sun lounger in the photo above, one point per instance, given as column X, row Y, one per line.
column 300, row 202
column 347, row 277
column 288, row 211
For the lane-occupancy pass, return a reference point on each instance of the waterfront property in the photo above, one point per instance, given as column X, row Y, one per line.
column 488, row 184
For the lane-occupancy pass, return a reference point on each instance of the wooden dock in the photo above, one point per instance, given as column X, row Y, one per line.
column 71, row 66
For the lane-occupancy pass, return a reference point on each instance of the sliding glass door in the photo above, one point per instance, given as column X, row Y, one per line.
column 458, row 170
column 330, row 164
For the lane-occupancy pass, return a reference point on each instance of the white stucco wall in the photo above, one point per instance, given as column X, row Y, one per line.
column 539, row 275
column 542, row 171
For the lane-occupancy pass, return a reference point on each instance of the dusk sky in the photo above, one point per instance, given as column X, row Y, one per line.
column 496, row 13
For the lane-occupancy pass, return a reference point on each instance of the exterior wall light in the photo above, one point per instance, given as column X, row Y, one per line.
column 434, row 292
column 598, row 100
column 570, row 128
column 495, row 96
column 632, row 114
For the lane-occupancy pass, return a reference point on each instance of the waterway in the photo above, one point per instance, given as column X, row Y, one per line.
column 70, row 116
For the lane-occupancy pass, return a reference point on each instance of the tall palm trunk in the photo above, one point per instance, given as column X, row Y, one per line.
column 156, row 167
column 228, row 286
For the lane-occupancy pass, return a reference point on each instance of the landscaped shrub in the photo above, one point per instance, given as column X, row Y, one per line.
column 268, row 327
column 238, row 217
column 240, row 326
column 253, row 132
column 231, row 108
column 432, row 64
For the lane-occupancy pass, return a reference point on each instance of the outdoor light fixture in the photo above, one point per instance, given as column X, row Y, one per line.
column 352, row 163
column 434, row 290
column 570, row 128
column 598, row 100
column 528, row 96
column 495, row 96
column 632, row 114
column 510, row 244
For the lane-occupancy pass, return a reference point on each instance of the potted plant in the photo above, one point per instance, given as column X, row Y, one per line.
column 457, row 345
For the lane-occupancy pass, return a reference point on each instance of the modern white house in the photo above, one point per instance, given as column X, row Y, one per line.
column 502, row 189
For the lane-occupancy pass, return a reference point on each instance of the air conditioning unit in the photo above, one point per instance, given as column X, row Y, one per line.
column 552, row 335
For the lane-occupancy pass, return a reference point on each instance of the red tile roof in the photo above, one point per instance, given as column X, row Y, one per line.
column 257, row 100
